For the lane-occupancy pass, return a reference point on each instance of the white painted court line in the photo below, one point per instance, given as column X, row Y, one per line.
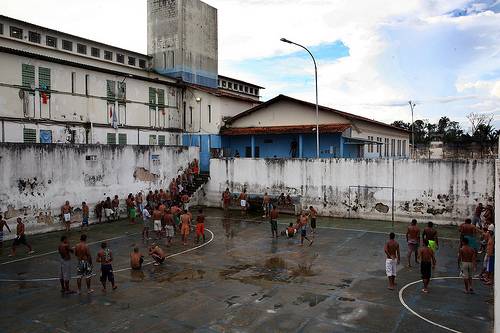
column 118, row 270
column 52, row 252
column 422, row 317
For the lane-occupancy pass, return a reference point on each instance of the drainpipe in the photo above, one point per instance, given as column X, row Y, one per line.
column 3, row 130
column 253, row 145
column 91, row 133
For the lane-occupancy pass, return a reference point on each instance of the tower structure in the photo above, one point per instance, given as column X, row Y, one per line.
column 182, row 39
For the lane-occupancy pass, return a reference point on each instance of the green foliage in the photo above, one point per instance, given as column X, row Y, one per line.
column 451, row 132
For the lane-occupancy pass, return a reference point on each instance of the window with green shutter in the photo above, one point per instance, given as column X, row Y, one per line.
column 122, row 90
column 44, row 78
column 161, row 140
column 152, row 139
column 152, row 96
column 161, row 97
column 122, row 139
column 29, row 135
column 111, row 138
column 28, row 76
column 110, row 89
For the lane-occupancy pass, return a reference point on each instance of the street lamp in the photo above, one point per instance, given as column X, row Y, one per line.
column 412, row 106
column 316, row 82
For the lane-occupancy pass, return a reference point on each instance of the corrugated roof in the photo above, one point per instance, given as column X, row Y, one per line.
column 312, row 105
column 329, row 128
column 221, row 92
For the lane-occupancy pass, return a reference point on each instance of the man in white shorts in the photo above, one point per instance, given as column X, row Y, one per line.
column 157, row 216
column 243, row 201
column 393, row 258
column 66, row 214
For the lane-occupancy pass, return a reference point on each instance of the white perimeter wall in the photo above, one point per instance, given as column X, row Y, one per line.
column 35, row 180
column 439, row 191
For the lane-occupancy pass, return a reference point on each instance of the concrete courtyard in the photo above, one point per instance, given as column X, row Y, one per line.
column 243, row 281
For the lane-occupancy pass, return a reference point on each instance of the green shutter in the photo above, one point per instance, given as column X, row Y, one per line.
column 161, row 140
column 122, row 90
column 28, row 75
column 161, row 97
column 110, row 89
column 152, row 95
column 152, row 139
column 44, row 78
column 111, row 138
column 29, row 135
column 122, row 139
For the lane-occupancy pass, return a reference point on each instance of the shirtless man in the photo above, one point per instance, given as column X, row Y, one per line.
column 200, row 226
column 176, row 213
column 157, row 254
column 65, row 265
column 105, row 257
column 476, row 218
column 157, row 215
column 427, row 264
column 273, row 215
column 115, row 206
column 431, row 235
column 168, row 220
column 20, row 238
column 185, row 226
column 139, row 203
column 413, row 240
column 66, row 215
column 84, row 270
column 467, row 230
column 226, row 199
column 393, row 258
column 131, row 210
column 266, row 205
column 313, row 213
column 243, row 201
column 303, row 229
column 108, row 209
column 490, row 256
column 467, row 261
column 3, row 224
column 85, row 216
column 136, row 259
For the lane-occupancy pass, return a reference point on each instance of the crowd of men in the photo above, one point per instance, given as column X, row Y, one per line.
column 477, row 244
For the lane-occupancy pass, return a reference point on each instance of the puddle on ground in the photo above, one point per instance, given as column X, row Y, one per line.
column 310, row 298
column 346, row 299
column 187, row 274
column 136, row 275
column 275, row 263
column 346, row 283
column 303, row 270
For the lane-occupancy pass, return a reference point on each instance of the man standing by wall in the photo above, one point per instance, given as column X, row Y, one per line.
column 413, row 240
column 66, row 215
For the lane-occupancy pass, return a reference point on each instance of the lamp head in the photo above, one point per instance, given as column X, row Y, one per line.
column 286, row 40
column 198, row 99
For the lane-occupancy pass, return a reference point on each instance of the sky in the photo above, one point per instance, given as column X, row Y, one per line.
column 373, row 56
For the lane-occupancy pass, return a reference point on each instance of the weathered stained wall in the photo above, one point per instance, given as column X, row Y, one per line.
column 35, row 180
column 441, row 191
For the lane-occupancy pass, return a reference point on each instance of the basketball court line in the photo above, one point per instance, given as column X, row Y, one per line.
column 115, row 271
column 420, row 316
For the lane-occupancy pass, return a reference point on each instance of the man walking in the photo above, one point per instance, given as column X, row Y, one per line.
column 413, row 240
column 467, row 261
column 85, row 216
column 427, row 264
column 393, row 258
column 105, row 257
column 430, row 234
column 274, row 222
column 3, row 224
column 20, row 238
column 84, row 270
column 65, row 265
column 313, row 213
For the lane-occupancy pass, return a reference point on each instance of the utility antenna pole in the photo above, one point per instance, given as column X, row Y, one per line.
column 412, row 106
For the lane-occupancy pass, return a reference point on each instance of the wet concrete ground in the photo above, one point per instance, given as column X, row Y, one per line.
column 243, row 281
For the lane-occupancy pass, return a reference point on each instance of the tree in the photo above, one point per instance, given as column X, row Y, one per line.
column 478, row 119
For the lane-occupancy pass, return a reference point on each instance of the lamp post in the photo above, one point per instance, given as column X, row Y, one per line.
column 316, row 82
column 412, row 105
